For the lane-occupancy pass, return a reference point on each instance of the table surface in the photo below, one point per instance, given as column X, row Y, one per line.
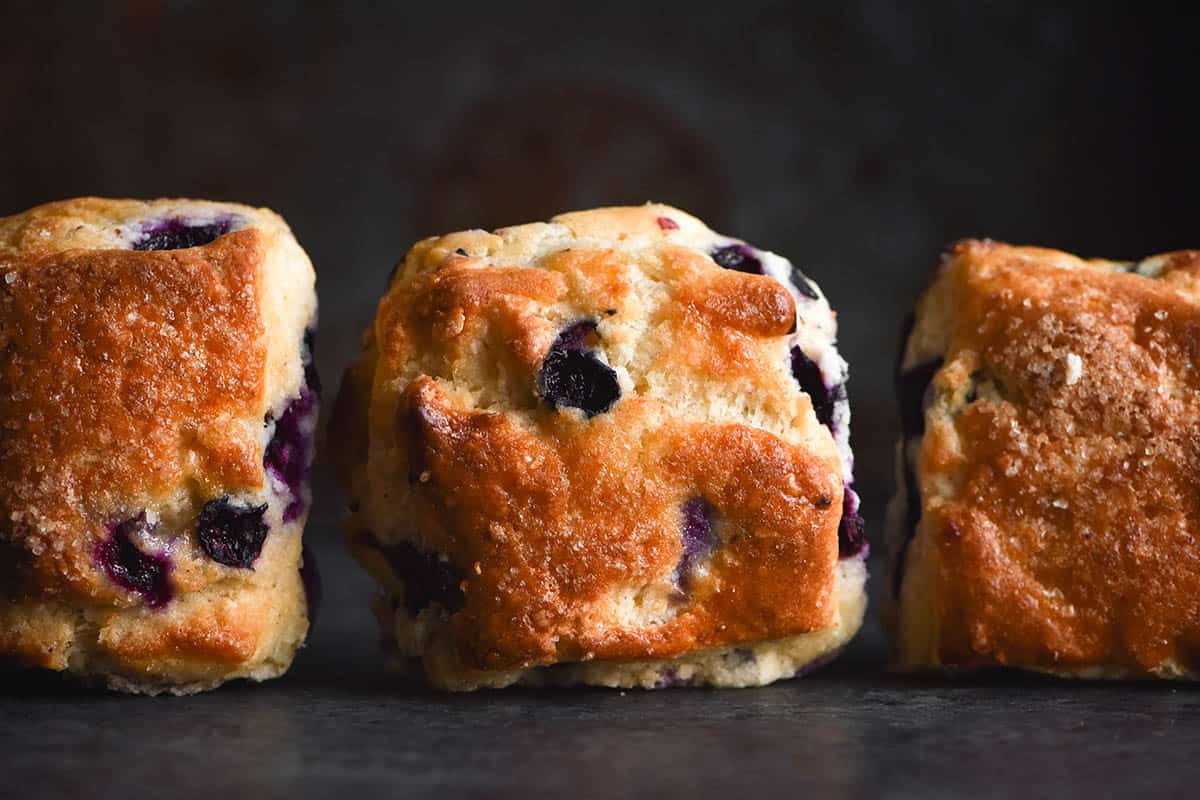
column 340, row 722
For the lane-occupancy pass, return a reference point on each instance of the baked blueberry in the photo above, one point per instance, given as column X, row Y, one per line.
column 824, row 398
column 739, row 257
column 232, row 534
column 131, row 568
column 572, row 375
column 699, row 539
column 427, row 578
column 851, row 533
column 743, row 258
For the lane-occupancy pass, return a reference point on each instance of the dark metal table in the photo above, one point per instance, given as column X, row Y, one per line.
column 339, row 723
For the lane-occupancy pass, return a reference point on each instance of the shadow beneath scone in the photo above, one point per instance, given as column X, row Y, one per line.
column 20, row 683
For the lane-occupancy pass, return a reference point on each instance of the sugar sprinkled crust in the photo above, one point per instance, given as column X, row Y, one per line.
column 156, row 416
column 1047, row 511
column 581, row 443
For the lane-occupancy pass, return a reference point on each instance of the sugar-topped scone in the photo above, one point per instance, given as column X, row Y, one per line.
column 1048, row 509
column 157, row 408
column 609, row 449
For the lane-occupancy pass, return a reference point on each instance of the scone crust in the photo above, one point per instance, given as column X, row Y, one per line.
column 140, row 380
column 565, row 530
column 1058, row 468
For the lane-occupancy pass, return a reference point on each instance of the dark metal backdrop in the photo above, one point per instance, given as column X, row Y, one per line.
column 856, row 138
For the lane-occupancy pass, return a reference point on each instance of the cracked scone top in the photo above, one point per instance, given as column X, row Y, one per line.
column 157, row 406
column 609, row 449
column 1047, row 508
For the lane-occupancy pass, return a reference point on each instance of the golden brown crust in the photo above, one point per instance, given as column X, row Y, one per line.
column 565, row 530
column 161, row 349
column 618, row 485
column 1059, row 465
column 138, row 382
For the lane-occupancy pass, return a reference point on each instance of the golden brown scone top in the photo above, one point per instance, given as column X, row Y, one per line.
column 1061, row 459
column 565, row 530
column 128, row 380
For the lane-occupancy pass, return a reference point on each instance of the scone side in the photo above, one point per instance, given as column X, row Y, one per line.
column 928, row 619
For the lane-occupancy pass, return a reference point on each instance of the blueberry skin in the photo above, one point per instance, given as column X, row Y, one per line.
column 573, row 376
column 147, row 574
column 176, row 233
column 230, row 534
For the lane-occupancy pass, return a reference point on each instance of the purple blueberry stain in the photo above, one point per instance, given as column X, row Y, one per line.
column 288, row 455
column 699, row 539
column 573, row 376
column 232, row 534
column 125, row 564
column 818, row 662
column 668, row 679
column 311, row 578
column 177, row 233
column 852, row 538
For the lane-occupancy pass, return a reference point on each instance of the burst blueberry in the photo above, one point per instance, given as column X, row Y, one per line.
column 147, row 574
column 288, row 456
column 232, row 534
column 738, row 257
column 851, row 531
column 573, row 376
column 177, row 233
column 427, row 578
column 812, row 382
column 699, row 539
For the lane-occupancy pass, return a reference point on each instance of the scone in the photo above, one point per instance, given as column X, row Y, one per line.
column 610, row 449
column 1048, row 512
column 157, row 408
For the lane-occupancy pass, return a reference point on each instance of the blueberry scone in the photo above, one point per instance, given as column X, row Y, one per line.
column 157, row 408
column 1048, row 512
column 609, row 449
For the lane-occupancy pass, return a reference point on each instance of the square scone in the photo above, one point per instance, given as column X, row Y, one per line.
column 157, row 409
column 610, row 449
column 1047, row 510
